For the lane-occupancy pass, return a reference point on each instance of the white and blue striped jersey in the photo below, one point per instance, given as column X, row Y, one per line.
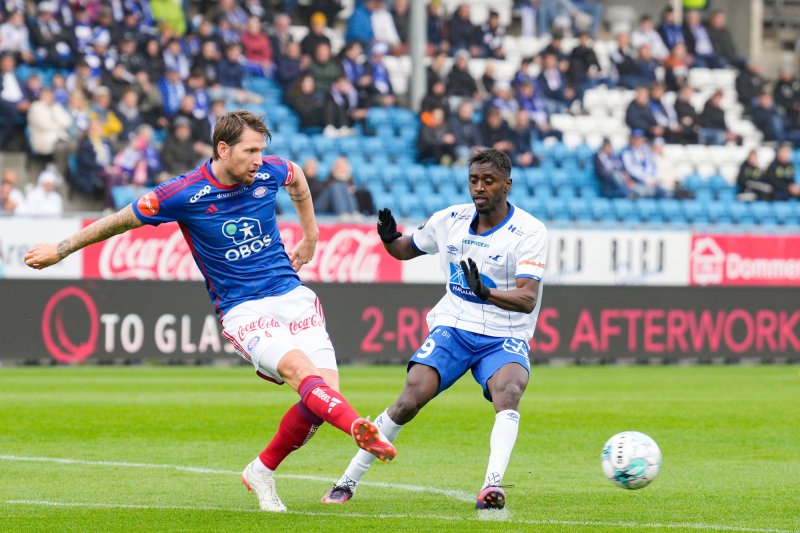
column 515, row 248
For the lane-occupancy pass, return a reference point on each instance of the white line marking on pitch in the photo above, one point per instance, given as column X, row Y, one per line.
column 481, row 516
column 454, row 494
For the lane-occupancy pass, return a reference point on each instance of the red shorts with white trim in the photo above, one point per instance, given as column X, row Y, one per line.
column 265, row 330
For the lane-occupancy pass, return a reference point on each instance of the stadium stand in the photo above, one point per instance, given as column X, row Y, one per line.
column 559, row 186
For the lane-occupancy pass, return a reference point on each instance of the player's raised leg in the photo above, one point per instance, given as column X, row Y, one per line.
column 421, row 386
column 506, row 387
column 324, row 401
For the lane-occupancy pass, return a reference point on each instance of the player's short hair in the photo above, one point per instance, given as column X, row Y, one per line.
column 496, row 158
column 229, row 128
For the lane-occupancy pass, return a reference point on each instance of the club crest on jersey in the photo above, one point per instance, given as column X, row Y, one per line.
column 252, row 343
column 516, row 346
column 260, row 192
column 246, row 235
column 458, row 285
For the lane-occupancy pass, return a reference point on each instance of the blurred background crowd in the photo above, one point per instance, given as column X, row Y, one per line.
column 598, row 111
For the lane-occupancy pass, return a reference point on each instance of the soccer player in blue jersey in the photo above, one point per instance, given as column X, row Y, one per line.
column 494, row 256
column 226, row 211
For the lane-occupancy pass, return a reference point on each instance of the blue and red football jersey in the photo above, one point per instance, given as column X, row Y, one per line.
column 231, row 230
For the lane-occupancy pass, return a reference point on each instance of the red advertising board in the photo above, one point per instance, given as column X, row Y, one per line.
column 345, row 253
column 745, row 260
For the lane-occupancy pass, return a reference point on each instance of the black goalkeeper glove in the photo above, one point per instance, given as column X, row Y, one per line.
column 474, row 279
column 387, row 226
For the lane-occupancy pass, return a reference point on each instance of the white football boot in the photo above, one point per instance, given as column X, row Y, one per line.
column 264, row 489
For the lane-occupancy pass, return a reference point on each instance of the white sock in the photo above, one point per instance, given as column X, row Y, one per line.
column 259, row 469
column 363, row 460
column 504, row 434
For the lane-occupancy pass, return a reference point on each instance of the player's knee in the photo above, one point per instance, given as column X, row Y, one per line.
column 508, row 396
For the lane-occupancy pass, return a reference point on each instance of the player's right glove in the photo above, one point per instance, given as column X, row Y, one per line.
column 387, row 226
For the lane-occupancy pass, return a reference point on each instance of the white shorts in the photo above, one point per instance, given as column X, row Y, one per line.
column 264, row 330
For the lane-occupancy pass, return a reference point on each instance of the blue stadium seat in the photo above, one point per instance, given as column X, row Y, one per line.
column 416, row 173
column 410, row 207
column 672, row 210
column 585, row 156
column 377, row 117
column 556, row 209
column 624, row 210
column 601, row 210
column 763, row 212
column 649, row 210
column 434, row 202
column 122, row 195
column 284, row 203
column 324, row 146
column 704, row 195
column 559, row 152
column 740, row 213
column 566, row 191
column 299, row 143
column 726, row 195
column 694, row 182
column 375, row 145
column 379, row 160
column 695, row 212
column 787, row 213
column 449, row 190
column 718, row 213
column 439, row 175
column 389, row 175
column 350, row 145
column 580, row 210
column 365, row 174
column 421, row 188
column 717, row 183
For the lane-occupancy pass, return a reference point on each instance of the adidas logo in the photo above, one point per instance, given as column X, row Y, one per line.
column 333, row 403
column 211, row 210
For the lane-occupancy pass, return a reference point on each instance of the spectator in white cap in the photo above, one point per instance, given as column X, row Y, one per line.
column 45, row 199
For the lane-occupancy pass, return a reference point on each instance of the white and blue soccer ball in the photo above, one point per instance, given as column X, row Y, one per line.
column 631, row 460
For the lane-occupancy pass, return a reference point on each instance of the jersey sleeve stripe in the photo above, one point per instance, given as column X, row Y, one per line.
column 175, row 190
column 417, row 247
column 176, row 184
column 537, row 278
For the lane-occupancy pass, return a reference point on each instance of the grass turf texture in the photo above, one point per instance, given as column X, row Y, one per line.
column 729, row 436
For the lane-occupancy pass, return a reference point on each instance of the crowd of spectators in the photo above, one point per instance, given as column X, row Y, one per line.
column 136, row 85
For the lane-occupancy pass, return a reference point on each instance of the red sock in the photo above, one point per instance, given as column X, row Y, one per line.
column 326, row 403
column 297, row 426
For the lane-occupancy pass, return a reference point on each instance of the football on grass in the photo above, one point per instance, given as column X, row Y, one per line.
column 631, row 460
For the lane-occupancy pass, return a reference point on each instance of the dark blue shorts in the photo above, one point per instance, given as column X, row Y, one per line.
column 453, row 351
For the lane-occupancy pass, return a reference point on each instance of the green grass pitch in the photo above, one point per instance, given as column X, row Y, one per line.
column 125, row 436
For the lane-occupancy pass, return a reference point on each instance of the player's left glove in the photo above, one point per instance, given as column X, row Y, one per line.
column 473, row 278
column 387, row 226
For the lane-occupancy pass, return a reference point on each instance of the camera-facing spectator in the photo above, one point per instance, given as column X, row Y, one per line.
column 48, row 124
column 751, row 183
column 713, row 127
column 316, row 35
column 15, row 38
column 780, row 174
column 307, row 102
column 45, row 199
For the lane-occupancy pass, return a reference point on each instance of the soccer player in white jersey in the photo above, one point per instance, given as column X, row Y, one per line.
column 226, row 211
column 494, row 257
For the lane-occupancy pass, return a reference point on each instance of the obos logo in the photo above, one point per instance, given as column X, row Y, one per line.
column 246, row 234
column 61, row 347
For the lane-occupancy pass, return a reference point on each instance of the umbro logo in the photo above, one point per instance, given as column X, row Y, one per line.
column 211, row 210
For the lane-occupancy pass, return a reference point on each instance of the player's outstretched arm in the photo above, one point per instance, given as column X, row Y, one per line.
column 300, row 195
column 521, row 299
column 45, row 255
column 398, row 245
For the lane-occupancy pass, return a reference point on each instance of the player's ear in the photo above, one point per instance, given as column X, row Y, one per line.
column 223, row 149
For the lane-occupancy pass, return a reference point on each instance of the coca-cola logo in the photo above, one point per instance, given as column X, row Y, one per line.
column 309, row 322
column 350, row 253
column 58, row 343
column 132, row 256
column 263, row 323
column 148, row 204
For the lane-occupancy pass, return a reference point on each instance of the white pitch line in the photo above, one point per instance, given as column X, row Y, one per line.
column 480, row 517
column 453, row 494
